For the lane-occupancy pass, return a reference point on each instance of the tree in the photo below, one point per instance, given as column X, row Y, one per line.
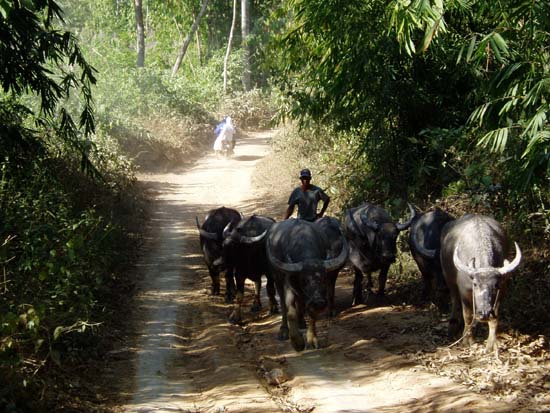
column 37, row 58
column 228, row 50
column 140, row 33
column 245, row 30
column 187, row 41
column 506, row 43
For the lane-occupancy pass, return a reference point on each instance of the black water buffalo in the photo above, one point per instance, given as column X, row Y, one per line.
column 244, row 250
column 473, row 258
column 300, row 257
column 424, row 242
column 372, row 237
column 332, row 229
column 211, row 238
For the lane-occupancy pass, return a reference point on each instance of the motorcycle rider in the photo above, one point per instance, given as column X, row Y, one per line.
column 225, row 139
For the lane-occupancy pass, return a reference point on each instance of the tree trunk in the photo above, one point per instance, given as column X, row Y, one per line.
column 140, row 33
column 229, row 41
column 245, row 31
column 194, row 28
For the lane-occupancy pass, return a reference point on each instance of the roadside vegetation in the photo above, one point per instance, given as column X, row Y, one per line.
column 431, row 102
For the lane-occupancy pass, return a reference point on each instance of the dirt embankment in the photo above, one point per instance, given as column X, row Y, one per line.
column 185, row 356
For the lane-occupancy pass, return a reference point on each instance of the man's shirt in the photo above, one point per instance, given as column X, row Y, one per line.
column 307, row 201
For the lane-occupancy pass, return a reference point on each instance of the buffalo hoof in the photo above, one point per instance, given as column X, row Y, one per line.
column 454, row 327
column 255, row 308
column 358, row 299
column 283, row 334
column 274, row 310
column 298, row 342
column 233, row 319
column 228, row 299
column 313, row 344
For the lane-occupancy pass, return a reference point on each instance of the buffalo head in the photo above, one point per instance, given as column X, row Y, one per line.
column 384, row 235
column 486, row 282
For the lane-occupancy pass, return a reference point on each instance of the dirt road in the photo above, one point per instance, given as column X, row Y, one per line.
column 188, row 358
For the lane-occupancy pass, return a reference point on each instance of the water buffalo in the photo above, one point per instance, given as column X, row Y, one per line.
column 424, row 241
column 473, row 258
column 332, row 229
column 244, row 250
column 211, row 238
column 372, row 237
column 300, row 256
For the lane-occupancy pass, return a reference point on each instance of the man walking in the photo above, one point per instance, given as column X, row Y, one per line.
column 307, row 196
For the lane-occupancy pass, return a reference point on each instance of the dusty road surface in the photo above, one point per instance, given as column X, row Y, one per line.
column 188, row 358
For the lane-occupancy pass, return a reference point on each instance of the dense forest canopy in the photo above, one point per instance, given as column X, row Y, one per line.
column 407, row 100
column 420, row 77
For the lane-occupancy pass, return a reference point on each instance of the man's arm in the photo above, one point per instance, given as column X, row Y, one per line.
column 324, row 208
column 289, row 211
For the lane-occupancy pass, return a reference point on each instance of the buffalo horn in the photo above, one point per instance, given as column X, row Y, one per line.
column 511, row 266
column 459, row 264
column 335, row 263
column 227, row 230
column 204, row 233
column 505, row 269
column 354, row 223
column 368, row 222
column 208, row 235
column 252, row 240
column 405, row 225
column 283, row 266
column 420, row 248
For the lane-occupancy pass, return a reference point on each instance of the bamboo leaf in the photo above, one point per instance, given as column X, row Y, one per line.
column 428, row 37
column 471, row 48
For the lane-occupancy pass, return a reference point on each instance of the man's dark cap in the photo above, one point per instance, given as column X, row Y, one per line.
column 305, row 173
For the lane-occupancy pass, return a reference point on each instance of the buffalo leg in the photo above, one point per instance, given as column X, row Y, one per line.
column 441, row 294
column 468, row 316
column 296, row 337
column 493, row 325
column 215, row 276
column 270, row 286
column 492, row 339
column 229, row 286
column 358, row 287
column 370, row 283
column 382, row 278
column 300, row 311
column 454, row 325
column 236, row 315
column 283, row 331
column 257, row 305
column 331, row 288
column 312, row 340
column 427, row 280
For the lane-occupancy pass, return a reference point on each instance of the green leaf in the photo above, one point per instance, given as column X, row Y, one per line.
column 57, row 332
column 471, row 48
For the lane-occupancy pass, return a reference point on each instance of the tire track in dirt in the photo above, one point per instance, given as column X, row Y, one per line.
column 186, row 358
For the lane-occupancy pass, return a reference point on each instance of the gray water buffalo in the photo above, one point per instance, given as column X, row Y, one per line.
column 473, row 258
column 244, row 250
column 424, row 242
column 211, row 239
column 372, row 237
column 332, row 229
column 301, row 256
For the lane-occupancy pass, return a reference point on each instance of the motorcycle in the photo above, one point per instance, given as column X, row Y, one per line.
column 226, row 149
